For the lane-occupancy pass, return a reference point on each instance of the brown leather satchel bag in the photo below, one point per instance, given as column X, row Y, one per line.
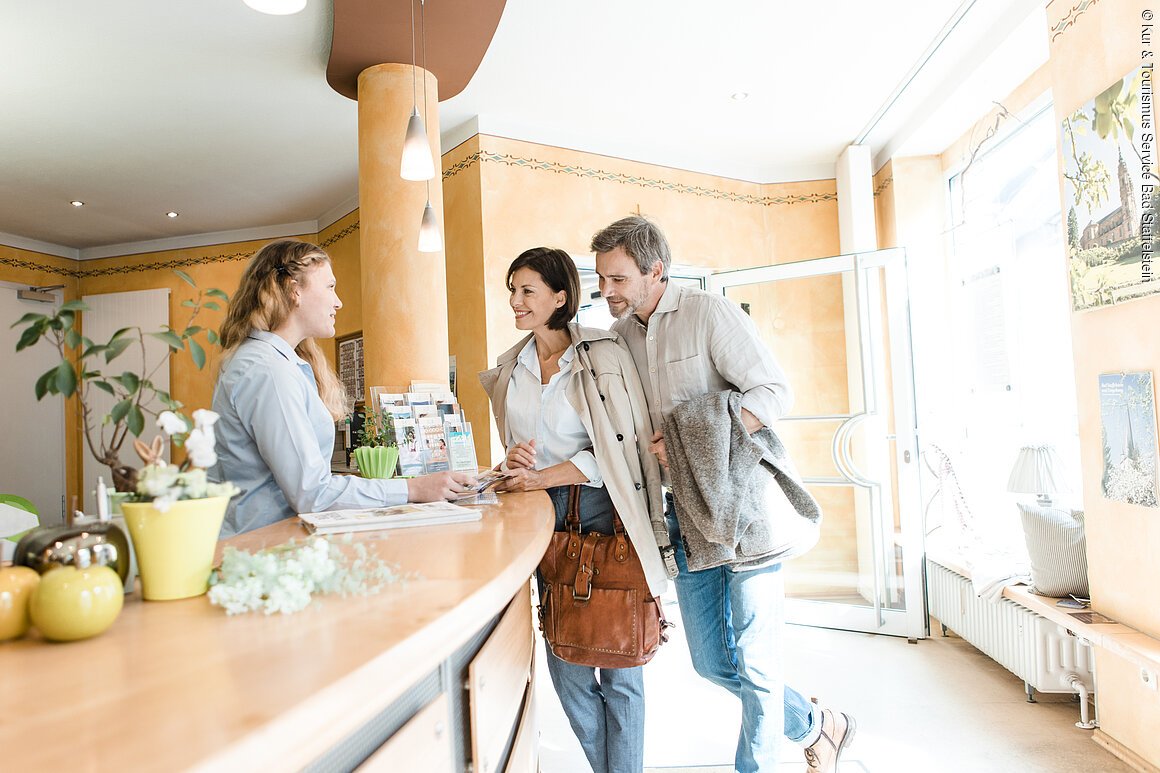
column 596, row 608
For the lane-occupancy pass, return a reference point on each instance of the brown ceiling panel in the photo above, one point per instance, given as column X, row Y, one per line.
column 370, row 32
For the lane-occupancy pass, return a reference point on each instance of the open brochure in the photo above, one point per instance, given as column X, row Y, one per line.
column 370, row 519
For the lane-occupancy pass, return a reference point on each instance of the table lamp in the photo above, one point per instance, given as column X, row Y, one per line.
column 1038, row 470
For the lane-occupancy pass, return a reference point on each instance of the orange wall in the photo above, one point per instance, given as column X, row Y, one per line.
column 529, row 195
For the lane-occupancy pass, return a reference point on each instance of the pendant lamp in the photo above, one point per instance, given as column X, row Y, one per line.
column 416, row 163
column 430, row 237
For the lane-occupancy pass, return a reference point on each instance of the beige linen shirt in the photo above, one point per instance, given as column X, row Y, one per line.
column 697, row 342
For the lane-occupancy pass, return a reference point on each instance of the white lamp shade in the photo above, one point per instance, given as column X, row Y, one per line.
column 277, row 7
column 417, row 163
column 430, row 240
column 1038, row 470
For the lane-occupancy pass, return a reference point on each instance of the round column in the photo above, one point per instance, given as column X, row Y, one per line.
column 404, row 291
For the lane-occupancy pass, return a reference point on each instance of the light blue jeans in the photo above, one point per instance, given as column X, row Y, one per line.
column 733, row 624
column 606, row 713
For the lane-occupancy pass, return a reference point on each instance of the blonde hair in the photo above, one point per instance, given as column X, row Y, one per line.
column 264, row 301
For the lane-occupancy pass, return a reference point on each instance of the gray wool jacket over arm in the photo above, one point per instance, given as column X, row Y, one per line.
column 740, row 500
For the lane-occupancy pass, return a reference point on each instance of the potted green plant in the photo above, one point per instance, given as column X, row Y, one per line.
column 376, row 454
column 86, row 366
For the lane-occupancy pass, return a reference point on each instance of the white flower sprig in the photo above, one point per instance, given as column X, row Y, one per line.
column 163, row 483
column 284, row 579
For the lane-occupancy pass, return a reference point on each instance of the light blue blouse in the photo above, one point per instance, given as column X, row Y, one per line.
column 275, row 438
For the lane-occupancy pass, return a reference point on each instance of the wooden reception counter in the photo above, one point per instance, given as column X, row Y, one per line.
column 428, row 674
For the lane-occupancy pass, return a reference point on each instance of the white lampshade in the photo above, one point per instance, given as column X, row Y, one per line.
column 277, row 7
column 1038, row 470
column 430, row 240
column 417, row 163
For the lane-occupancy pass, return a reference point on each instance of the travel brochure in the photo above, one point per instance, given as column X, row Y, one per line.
column 428, row 426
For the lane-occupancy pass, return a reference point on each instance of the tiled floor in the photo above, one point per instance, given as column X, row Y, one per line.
column 938, row 705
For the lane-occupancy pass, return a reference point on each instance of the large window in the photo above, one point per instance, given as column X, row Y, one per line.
column 1012, row 382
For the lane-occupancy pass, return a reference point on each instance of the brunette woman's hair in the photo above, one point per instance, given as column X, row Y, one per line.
column 558, row 271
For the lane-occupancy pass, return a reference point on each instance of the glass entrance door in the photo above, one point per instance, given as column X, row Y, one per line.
column 840, row 329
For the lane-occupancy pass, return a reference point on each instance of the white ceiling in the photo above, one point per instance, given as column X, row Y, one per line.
column 222, row 114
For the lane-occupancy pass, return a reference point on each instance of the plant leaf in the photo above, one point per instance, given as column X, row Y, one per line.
column 119, row 333
column 120, row 410
column 89, row 352
column 188, row 303
column 116, row 347
column 29, row 317
column 43, row 383
column 104, row 385
column 197, row 353
column 170, row 338
column 212, row 305
column 192, row 330
column 212, row 337
column 130, row 380
column 136, row 420
column 66, row 378
column 186, row 277
column 216, row 293
column 30, row 336
column 72, row 339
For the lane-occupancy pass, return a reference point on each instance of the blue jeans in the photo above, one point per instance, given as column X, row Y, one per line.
column 733, row 623
column 606, row 714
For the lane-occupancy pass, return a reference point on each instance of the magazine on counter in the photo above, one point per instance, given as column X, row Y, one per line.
column 399, row 516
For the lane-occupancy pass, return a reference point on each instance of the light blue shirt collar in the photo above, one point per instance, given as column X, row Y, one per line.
column 282, row 346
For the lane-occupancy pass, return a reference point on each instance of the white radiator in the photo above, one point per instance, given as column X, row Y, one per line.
column 1041, row 653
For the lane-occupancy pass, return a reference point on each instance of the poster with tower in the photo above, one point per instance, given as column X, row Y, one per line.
column 1110, row 193
column 1128, row 432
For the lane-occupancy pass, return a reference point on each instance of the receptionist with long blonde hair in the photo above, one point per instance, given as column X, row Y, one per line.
column 279, row 399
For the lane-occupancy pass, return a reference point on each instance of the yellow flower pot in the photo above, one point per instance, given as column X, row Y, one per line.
column 175, row 548
column 377, row 462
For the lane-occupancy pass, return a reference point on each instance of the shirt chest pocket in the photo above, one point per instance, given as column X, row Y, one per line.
column 688, row 378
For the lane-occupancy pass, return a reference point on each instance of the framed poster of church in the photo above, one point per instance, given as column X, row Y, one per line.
column 350, row 365
column 1110, row 196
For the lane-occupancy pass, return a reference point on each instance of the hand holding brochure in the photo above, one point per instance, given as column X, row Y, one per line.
column 370, row 519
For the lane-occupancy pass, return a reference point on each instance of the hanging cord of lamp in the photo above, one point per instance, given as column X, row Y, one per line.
column 430, row 239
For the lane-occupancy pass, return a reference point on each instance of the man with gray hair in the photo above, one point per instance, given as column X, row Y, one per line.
column 687, row 343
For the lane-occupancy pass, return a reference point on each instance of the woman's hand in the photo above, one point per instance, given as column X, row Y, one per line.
column 521, row 455
column 438, row 486
column 523, row 479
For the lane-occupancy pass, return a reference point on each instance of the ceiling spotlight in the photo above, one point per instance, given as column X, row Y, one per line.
column 277, row 7
column 740, row 96
column 171, row 214
column 77, row 203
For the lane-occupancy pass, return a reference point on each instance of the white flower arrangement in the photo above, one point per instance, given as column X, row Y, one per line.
column 284, row 579
column 163, row 483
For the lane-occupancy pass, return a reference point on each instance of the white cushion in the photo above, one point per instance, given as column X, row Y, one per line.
column 1057, row 548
